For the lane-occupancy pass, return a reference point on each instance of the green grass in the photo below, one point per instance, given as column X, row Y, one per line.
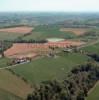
column 4, row 95
column 92, row 49
column 43, row 32
column 49, row 68
column 3, row 62
column 94, row 95
column 9, row 36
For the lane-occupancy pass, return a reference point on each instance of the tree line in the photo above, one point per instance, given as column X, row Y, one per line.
column 20, row 40
column 4, row 45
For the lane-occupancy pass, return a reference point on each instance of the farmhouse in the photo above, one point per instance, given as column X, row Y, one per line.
column 21, row 60
column 67, row 50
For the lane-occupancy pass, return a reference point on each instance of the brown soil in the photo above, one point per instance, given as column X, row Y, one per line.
column 30, row 49
column 22, row 29
column 76, row 31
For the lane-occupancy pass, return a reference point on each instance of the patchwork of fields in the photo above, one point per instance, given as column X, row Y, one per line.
column 44, row 68
column 14, row 32
column 43, row 32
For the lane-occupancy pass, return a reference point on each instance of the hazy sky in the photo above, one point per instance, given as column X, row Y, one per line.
column 49, row 5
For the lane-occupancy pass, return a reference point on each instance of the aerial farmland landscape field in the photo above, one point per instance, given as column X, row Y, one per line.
column 32, row 55
column 48, row 52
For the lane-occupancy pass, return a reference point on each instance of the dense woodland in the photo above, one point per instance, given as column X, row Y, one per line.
column 94, row 56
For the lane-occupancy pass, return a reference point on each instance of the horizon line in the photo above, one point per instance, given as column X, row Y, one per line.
column 49, row 11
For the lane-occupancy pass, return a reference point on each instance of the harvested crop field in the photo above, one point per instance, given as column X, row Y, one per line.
column 24, row 49
column 13, row 84
column 5, row 95
column 19, row 49
column 21, row 29
column 76, row 31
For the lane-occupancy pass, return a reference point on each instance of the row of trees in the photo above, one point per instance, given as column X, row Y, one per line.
column 20, row 40
column 4, row 45
column 74, row 87
column 94, row 56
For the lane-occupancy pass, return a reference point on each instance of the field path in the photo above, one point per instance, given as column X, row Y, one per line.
column 93, row 88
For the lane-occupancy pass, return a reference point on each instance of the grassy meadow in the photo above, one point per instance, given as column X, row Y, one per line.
column 49, row 68
column 92, row 48
column 9, row 36
column 3, row 62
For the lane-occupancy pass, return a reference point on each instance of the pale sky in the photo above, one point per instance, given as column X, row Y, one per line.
column 50, row 5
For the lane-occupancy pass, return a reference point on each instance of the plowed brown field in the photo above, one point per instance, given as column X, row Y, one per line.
column 76, row 31
column 21, row 29
column 27, row 49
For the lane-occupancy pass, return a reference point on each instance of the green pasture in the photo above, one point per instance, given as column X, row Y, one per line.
column 49, row 68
